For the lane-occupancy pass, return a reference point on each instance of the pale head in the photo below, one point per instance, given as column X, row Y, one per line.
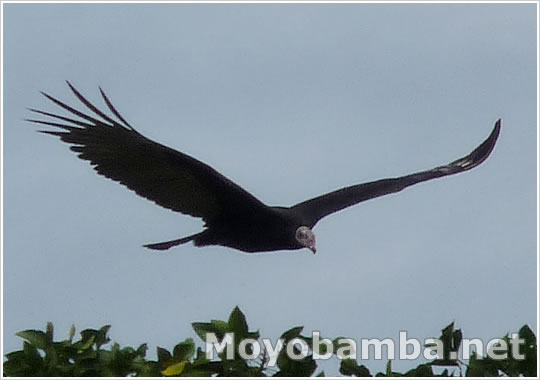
column 306, row 237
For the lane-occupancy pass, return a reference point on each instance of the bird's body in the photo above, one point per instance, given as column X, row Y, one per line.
column 255, row 233
column 233, row 217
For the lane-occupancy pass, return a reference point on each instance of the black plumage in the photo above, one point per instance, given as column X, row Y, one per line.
column 233, row 217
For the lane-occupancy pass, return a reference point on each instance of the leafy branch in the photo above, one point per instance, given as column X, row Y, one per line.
column 94, row 355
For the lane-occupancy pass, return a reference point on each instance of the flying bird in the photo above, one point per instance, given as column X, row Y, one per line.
column 233, row 217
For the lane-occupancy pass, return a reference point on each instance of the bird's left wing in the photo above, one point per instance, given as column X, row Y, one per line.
column 170, row 178
column 319, row 207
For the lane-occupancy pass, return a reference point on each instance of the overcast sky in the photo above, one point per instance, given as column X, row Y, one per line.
column 290, row 101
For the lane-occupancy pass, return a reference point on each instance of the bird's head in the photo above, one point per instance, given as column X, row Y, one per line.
column 306, row 238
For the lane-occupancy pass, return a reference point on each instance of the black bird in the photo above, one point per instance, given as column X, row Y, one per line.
column 233, row 217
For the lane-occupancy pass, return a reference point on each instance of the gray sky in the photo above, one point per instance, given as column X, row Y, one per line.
column 290, row 101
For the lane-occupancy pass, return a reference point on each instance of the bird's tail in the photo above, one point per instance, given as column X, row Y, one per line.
column 168, row 244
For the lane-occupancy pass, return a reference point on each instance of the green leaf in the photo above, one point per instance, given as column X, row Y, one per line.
column 201, row 329
column 295, row 368
column 237, row 324
column 89, row 334
column 447, row 331
column 291, row 334
column 175, row 369
column 184, row 350
column 349, row 367
column 215, row 367
column 36, row 338
column 196, row 372
column 32, row 355
column 200, row 358
column 102, row 337
column 163, row 355
column 526, row 333
column 527, row 367
column 423, row 370
column 99, row 336
column 457, row 336
column 26, row 362
column 481, row 367
column 219, row 328
column 141, row 350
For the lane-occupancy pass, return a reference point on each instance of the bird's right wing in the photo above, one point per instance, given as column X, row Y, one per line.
column 319, row 207
column 170, row 178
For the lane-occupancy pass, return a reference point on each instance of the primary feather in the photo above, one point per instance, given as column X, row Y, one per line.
column 317, row 208
column 170, row 178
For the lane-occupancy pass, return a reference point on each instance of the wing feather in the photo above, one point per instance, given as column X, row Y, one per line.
column 317, row 208
column 170, row 178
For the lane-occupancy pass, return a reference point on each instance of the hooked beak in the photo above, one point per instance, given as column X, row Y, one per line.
column 313, row 249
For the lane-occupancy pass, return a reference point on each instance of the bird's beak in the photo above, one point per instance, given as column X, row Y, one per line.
column 313, row 249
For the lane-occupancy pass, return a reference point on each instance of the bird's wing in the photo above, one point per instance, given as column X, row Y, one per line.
column 170, row 178
column 319, row 207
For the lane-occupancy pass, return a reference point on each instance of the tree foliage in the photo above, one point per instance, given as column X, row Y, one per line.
column 94, row 355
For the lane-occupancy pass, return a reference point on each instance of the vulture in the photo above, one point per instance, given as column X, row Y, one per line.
column 232, row 216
